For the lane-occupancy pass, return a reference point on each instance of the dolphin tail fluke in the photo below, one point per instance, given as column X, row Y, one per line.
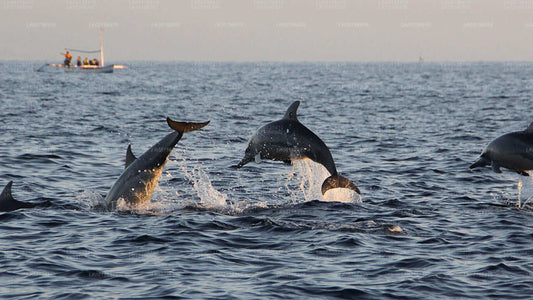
column 338, row 181
column 481, row 162
column 185, row 126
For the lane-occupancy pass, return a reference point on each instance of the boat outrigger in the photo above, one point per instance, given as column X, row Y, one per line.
column 98, row 67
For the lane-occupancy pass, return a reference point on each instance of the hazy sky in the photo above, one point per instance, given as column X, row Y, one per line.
column 270, row 30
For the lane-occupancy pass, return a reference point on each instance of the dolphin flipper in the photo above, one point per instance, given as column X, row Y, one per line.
column 185, row 126
column 496, row 167
column 338, row 181
column 130, row 157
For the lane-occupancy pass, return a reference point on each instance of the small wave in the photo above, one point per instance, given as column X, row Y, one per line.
column 93, row 275
column 415, row 263
column 325, row 292
column 298, row 222
column 103, row 128
column 141, row 240
column 502, row 268
column 44, row 157
column 111, row 93
column 53, row 223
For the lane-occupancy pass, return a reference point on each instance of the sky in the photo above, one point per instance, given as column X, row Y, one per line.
column 270, row 30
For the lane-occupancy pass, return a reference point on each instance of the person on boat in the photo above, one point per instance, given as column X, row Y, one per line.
column 68, row 59
column 96, row 62
column 86, row 61
column 78, row 63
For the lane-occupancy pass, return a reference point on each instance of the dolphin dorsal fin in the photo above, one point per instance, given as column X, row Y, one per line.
column 6, row 193
column 290, row 114
column 129, row 157
column 530, row 128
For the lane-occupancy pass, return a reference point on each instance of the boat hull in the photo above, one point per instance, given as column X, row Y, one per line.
column 76, row 69
column 90, row 69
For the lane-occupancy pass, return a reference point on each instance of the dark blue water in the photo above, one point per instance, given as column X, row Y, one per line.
column 425, row 227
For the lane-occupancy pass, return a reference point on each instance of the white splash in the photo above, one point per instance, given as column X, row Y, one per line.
column 89, row 200
column 209, row 196
column 526, row 186
column 310, row 176
column 342, row 195
column 159, row 203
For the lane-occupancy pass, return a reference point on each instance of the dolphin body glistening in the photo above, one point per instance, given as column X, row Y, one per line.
column 7, row 203
column 288, row 140
column 138, row 181
column 513, row 151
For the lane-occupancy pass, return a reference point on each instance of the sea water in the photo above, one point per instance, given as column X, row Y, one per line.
column 425, row 226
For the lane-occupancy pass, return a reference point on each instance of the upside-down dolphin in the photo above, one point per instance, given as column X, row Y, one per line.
column 513, row 151
column 137, row 182
column 7, row 203
column 288, row 140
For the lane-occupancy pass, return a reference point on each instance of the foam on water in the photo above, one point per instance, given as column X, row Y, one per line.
column 525, row 191
column 160, row 202
column 209, row 196
column 309, row 177
column 521, row 199
column 89, row 200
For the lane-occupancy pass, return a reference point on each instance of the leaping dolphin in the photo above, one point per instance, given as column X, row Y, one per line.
column 513, row 151
column 139, row 179
column 7, row 203
column 288, row 140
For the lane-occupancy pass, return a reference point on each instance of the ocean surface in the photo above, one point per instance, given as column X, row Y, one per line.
column 425, row 226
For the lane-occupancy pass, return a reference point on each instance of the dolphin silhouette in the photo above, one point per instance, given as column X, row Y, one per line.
column 513, row 151
column 139, row 179
column 7, row 203
column 288, row 140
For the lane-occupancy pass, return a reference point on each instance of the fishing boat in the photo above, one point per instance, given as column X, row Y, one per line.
column 84, row 68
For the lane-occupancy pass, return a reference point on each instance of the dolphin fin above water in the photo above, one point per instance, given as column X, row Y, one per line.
column 130, row 157
column 288, row 140
column 138, row 181
column 290, row 114
column 8, row 203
